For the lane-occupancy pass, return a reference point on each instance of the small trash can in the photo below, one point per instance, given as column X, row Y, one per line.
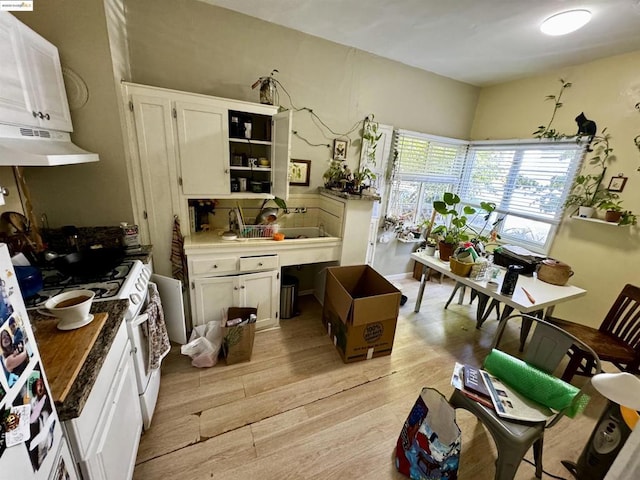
column 289, row 296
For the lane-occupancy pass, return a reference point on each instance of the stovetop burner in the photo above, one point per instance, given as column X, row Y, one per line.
column 106, row 286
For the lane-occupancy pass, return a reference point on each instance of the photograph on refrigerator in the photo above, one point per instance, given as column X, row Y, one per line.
column 61, row 472
column 34, row 393
column 16, row 349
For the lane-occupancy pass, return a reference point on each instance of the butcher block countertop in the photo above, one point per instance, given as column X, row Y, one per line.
column 71, row 376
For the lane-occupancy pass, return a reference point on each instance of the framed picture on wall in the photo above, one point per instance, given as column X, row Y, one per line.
column 617, row 184
column 299, row 172
column 339, row 149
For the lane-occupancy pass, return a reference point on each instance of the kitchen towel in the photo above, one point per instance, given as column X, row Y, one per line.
column 157, row 335
column 178, row 260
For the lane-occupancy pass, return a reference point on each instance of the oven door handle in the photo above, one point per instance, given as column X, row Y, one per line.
column 140, row 319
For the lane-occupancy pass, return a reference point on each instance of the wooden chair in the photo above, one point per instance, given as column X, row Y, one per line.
column 617, row 340
column 545, row 351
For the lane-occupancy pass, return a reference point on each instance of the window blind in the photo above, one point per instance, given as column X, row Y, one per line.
column 530, row 180
column 426, row 166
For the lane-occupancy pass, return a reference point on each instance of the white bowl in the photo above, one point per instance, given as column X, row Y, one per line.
column 71, row 308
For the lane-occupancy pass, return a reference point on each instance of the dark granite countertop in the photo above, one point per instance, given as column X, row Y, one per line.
column 349, row 196
column 144, row 254
column 81, row 388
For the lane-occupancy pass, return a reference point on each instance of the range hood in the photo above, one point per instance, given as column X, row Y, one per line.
column 37, row 147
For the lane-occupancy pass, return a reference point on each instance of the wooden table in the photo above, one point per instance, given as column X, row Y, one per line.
column 545, row 295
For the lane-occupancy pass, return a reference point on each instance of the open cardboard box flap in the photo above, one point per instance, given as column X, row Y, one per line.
column 361, row 295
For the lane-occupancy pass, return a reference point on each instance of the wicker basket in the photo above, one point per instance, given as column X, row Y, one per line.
column 459, row 268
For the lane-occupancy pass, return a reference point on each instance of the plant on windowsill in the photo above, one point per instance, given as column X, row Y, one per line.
column 456, row 227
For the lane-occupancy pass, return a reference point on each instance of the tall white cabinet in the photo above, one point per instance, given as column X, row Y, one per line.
column 32, row 92
column 181, row 147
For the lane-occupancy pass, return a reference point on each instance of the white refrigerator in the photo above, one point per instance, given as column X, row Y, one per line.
column 32, row 444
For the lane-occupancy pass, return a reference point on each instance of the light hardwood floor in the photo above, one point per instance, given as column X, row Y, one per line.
column 295, row 411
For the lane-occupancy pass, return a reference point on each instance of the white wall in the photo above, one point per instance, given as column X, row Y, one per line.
column 603, row 257
column 189, row 45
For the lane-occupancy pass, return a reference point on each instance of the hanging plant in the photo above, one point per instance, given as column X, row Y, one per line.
column 370, row 136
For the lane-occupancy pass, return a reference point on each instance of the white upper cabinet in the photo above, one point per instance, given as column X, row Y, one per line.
column 32, row 92
column 204, row 155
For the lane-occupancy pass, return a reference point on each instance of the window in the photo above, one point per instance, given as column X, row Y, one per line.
column 426, row 166
column 527, row 180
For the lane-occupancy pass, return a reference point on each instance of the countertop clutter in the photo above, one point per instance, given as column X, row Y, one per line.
column 71, row 395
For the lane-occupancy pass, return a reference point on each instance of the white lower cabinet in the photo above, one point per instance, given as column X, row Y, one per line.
column 211, row 296
column 106, row 435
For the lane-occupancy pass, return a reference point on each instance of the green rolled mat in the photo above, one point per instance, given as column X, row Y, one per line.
column 535, row 384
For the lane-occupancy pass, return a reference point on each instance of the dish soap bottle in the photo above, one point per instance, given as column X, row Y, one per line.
column 130, row 236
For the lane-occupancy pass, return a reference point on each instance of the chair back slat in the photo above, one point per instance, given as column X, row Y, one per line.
column 623, row 319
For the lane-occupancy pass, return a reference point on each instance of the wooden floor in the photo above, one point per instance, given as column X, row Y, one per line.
column 297, row 412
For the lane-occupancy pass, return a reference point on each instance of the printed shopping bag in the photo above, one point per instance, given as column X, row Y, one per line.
column 429, row 445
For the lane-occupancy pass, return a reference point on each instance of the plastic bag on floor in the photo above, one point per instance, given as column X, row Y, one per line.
column 204, row 345
column 429, row 445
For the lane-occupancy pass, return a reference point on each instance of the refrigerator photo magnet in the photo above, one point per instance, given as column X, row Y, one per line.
column 34, row 393
column 15, row 347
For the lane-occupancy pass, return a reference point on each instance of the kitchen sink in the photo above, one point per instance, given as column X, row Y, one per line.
column 291, row 233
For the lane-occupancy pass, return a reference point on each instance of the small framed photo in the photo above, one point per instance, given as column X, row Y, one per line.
column 617, row 184
column 299, row 172
column 339, row 149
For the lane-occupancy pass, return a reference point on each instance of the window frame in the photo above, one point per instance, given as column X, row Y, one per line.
column 463, row 181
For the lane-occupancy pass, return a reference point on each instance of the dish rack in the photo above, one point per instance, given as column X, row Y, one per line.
column 259, row 231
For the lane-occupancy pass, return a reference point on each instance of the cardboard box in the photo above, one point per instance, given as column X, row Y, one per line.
column 237, row 344
column 360, row 295
column 360, row 312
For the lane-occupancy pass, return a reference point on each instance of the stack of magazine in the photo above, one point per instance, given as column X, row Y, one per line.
column 489, row 391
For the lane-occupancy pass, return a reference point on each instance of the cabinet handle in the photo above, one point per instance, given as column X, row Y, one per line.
column 215, row 266
column 226, row 171
column 34, row 113
column 260, row 264
column 47, row 116
column 242, row 287
column 40, row 115
column 235, row 288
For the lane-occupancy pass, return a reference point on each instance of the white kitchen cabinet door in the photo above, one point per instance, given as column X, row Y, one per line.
column 262, row 290
column 212, row 296
column 43, row 66
column 281, row 153
column 113, row 453
column 154, row 175
column 15, row 94
column 203, row 133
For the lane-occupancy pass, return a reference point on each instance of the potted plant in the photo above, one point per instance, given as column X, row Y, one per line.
column 361, row 176
column 456, row 227
column 612, row 207
column 587, row 190
column 628, row 218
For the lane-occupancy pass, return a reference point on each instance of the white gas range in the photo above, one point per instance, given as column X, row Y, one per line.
column 129, row 280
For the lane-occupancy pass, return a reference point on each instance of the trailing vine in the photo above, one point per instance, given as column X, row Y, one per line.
column 547, row 131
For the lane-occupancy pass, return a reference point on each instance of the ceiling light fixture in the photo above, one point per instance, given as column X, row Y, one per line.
column 565, row 22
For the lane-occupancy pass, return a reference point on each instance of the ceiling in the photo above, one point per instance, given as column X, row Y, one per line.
column 481, row 42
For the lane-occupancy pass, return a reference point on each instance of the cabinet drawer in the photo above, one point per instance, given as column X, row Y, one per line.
column 219, row 265
column 263, row 262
